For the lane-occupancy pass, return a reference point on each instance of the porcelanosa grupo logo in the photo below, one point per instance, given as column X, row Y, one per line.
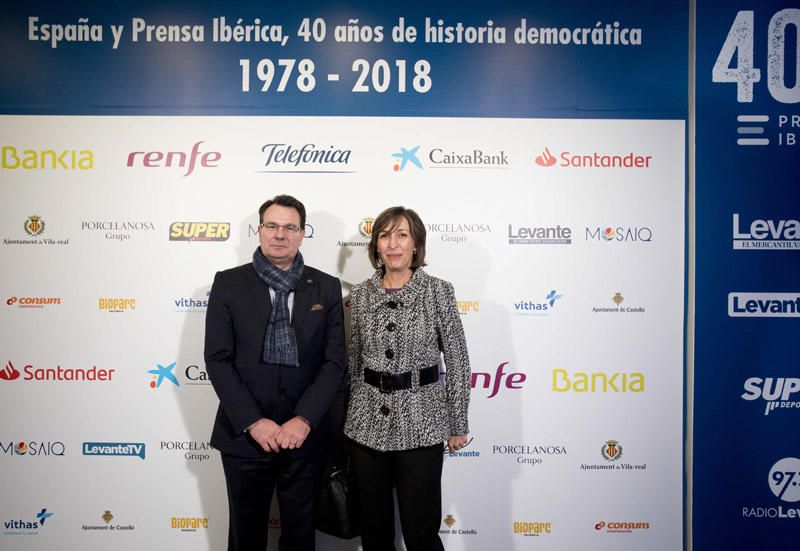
column 776, row 392
column 766, row 234
column 175, row 159
column 456, row 233
column 118, row 230
column 289, row 158
column 405, row 156
column 784, row 483
column 593, row 159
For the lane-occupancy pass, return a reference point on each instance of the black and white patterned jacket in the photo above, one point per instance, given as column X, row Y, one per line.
column 424, row 315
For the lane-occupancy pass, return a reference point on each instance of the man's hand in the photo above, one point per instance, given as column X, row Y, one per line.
column 266, row 432
column 293, row 433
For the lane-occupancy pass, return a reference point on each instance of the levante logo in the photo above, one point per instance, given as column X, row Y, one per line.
column 766, row 234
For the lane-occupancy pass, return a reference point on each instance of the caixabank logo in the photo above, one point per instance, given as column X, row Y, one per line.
column 28, row 526
column 593, row 159
column 57, row 374
column 192, row 375
column 199, row 231
column 784, row 483
column 775, row 393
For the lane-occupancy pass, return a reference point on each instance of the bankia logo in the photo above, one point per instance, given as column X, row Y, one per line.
column 593, row 159
column 199, row 231
column 537, row 307
column 305, row 158
column 175, row 159
column 494, row 381
column 31, row 527
column 114, row 449
column 405, row 156
column 766, row 234
column 440, row 157
column 776, row 392
column 46, row 159
column 60, row 374
column 32, row 448
column 598, row 381
column 539, row 235
column 784, row 483
column 619, row 234
column 32, row 302
column 763, row 305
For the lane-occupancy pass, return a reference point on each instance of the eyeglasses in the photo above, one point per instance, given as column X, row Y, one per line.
column 271, row 227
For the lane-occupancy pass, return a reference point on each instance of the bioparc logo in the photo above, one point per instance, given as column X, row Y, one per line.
column 116, row 305
column 32, row 302
column 32, row 448
column 783, row 483
column 60, row 374
column 405, row 156
column 175, row 159
column 199, row 231
column 763, row 305
column 776, row 392
column 766, row 234
column 188, row 524
column 594, row 159
column 535, row 529
column 494, row 381
column 537, row 308
column 306, row 158
column 466, row 307
column 31, row 527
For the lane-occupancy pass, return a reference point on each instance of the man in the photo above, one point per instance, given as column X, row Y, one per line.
column 275, row 353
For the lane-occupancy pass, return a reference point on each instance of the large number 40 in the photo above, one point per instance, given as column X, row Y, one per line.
column 740, row 42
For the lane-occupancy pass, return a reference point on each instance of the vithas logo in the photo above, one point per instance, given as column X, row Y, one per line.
column 9, row 373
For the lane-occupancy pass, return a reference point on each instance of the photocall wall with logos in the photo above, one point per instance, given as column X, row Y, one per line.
column 747, row 382
column 544, row 149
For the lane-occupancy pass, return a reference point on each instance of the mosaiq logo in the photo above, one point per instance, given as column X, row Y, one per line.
column 765, row 234
column 619, row 234
column 776, row 393
column 175, row 159
column 306, row 158
column 593, row 159
column 32, row 448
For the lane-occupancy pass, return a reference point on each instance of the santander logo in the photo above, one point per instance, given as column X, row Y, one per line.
column 9, row 373
column 546, row 158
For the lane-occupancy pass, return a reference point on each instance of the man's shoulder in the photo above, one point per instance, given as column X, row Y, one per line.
column 319, row 276
column 237, row 271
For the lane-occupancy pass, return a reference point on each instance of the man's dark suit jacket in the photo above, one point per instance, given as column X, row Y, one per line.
column 249, row 389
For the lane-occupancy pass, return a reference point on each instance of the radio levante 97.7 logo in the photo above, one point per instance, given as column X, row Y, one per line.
column 784, row 483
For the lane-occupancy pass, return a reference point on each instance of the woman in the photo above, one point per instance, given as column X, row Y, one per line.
column 399, row 412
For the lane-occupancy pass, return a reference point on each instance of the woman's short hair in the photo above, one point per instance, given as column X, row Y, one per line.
column 387, row 221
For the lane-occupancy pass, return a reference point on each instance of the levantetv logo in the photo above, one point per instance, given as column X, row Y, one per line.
column 128, row 449
column 763, row 305
column 766, row 234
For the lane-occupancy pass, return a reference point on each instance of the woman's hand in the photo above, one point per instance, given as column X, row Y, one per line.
column 455, row 443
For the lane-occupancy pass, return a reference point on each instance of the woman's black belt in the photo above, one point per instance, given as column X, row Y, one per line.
column 389, row 382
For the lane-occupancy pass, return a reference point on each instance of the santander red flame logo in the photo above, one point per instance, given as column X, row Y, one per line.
column 9, row 373
column 546, row 158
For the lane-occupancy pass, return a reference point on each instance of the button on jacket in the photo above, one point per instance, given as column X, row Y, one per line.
column 400, row 332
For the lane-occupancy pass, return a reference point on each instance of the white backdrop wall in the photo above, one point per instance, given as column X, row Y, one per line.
column 553, row 382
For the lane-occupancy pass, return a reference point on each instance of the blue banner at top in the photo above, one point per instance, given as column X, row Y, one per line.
column 605, row 59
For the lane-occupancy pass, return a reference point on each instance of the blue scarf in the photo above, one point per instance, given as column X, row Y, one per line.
column 280, row 342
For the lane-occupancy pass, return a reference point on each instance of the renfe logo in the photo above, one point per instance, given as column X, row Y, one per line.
column 513, row 380
column 158, row 159
column 763, row 305
column 766, row 234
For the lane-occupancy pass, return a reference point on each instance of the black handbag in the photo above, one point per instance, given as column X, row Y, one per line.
column 336, row 509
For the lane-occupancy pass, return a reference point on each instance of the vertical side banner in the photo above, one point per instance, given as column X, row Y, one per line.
column 747, row 381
